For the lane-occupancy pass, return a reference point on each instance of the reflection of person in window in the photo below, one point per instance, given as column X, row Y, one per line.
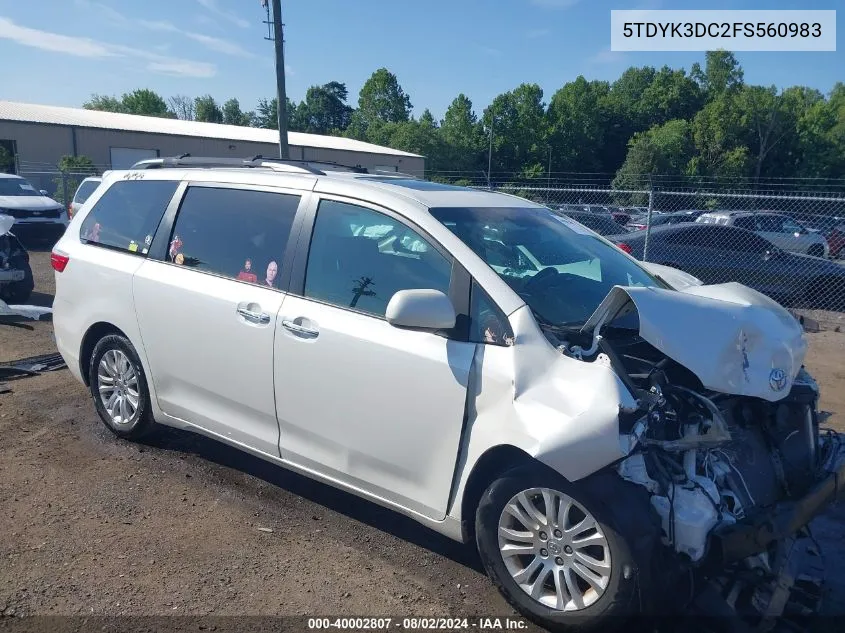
column 246, row 274
column 94, row 233
column 272, row 271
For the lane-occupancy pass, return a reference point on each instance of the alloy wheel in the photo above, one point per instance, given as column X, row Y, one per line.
column 554, row 549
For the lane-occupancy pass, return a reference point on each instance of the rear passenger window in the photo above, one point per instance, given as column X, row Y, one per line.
column 85, row 190
column 237, row 233
column 360, row 258
column 127, row 215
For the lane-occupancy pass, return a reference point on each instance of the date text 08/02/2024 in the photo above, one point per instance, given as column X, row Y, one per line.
column 419, row 624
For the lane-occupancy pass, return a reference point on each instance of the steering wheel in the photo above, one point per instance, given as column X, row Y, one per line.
column 543, row 275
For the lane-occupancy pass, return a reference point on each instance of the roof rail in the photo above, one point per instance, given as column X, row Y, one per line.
column 358, row 169
column 186, row 160
column 398, row 174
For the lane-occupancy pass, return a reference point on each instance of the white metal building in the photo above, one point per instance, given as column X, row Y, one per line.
column 39, row 135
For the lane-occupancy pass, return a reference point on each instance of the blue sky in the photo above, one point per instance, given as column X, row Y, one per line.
column 59, row 52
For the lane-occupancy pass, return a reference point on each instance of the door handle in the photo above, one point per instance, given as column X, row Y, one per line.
column 262, row 318
column 299, row 330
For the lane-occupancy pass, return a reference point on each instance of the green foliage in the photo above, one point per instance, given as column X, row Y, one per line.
column 324, row 110
column 700, row 125
column 73, row 170
column 207, row 110
column 7, row 161
column 233, row 115
column 143, row 101
column 381, row 100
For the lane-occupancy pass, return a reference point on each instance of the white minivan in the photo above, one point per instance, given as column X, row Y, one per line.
column 613, row 437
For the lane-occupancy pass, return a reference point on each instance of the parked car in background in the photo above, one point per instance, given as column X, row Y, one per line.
column 36, row 214
column 640, row 222
column 836, row 241
column 716, row 253
column 16, row 281
column 85, row 189
column 601, row 224
column 781, row 230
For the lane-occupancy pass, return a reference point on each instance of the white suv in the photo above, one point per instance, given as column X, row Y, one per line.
column 473, row 360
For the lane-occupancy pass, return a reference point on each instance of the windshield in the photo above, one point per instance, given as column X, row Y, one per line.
column 561, row 269
column 16, row 187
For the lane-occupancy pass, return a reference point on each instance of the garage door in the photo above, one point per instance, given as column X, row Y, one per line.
column 125, row 157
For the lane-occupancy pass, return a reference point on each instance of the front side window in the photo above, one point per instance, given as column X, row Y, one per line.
column 488, row 324
column 236, row 233
column 560, row 269
column 127, row 215
column 360, row 258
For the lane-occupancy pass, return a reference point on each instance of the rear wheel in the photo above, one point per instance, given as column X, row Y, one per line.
column 553, row 551
column 119, row 388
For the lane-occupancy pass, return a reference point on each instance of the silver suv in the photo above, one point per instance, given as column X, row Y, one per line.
column 475, row 361
column 781, row 230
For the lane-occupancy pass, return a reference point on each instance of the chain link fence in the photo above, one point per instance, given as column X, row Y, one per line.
column 788, row 246
column 59, row 184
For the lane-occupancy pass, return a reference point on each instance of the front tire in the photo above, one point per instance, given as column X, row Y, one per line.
column 554, row 552
column 119, row 388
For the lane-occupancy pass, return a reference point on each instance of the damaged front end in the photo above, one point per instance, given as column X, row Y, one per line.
column 725, row 435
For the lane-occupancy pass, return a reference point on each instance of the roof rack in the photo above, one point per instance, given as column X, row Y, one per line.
column 276, row 164
column 358, row 169
column 186, row 160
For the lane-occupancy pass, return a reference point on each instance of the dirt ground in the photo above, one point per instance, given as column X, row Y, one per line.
column 90, row 525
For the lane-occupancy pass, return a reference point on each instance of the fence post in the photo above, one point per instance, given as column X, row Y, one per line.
column 648, row 223
column 64, row 189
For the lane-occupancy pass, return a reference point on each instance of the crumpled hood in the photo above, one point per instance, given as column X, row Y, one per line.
column 734, row 339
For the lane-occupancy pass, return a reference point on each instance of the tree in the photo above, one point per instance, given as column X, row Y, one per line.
column 233, row 115
column 579, row 119
column 7, row 161
column 663, row 150
column 461, row 137
column 520, row 135
column 324, row 110
column 207, row 110
column 73, row 169
column 722, row 74
column 104, row 103
column 267, row 113
column 146, row 102
column 182, row 107
column 718, row 135
column 381, row 100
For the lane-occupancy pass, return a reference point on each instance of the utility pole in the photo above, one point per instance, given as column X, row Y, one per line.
column 282, row 110
column 490, row 151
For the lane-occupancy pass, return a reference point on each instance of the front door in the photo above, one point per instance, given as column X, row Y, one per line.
column 208, row 312
column 373, row 406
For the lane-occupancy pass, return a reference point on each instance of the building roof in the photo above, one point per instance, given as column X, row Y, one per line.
column 79, row 117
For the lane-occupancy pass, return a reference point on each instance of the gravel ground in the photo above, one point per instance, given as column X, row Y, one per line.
column 90, row 525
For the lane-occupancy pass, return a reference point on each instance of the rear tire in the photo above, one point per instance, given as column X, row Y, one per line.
column 816, row 250
column 119, row 388
column 570, row 594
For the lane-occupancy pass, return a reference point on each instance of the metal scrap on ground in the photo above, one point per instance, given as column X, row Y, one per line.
column 27, row 311
column 32, row 366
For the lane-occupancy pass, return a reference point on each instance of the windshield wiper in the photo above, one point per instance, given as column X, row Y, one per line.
column 546, row 324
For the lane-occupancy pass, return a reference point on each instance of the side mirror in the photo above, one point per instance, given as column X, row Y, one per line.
column 43, row 192
column 421, row 310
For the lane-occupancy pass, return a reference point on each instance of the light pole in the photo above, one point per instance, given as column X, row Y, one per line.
column 490, row 151
column 281, row 96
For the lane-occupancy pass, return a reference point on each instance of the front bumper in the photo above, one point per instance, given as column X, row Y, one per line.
column 754, row 534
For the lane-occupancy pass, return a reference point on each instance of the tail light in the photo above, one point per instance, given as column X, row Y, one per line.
column 59, row 260
column 625, row 247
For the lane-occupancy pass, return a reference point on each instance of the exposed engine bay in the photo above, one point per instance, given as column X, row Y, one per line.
column 733, row 477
